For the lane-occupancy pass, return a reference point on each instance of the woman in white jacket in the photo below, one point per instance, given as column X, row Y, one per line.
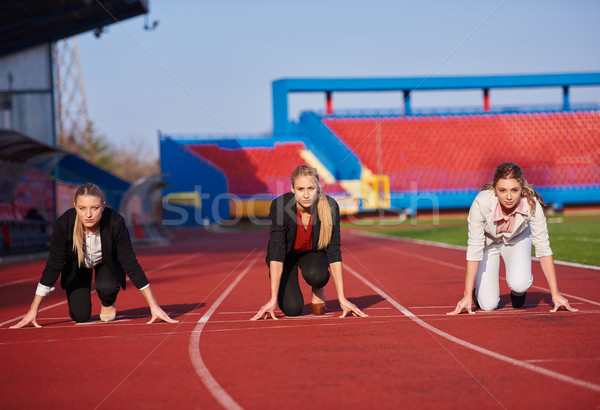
column 505, row 219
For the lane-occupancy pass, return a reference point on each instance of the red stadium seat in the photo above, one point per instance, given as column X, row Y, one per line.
column 461, row 152
column 257, row 170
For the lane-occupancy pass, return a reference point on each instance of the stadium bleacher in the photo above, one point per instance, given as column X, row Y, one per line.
column 461, row 151
column 418, row 158
column 253, row 170
column 257, row 170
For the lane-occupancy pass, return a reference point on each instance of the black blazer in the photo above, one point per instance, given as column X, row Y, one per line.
column 117, row 252
column 284, row 224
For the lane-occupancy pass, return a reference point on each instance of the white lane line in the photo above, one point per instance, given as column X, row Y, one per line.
column 16, row 282
column 417, row 241
column 568, row 295
column 99, row 322
column 424, row 258
column 453, row 265
column 175, row 262
column 456, row 247
column 167, row 265
column 163, row 266
column 194, row 347
column 479, row 349
column 452, row 307
column 41, row 310
column 587, row 359
column 305, row 315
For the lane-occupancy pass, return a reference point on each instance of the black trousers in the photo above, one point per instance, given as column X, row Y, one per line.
column 79, row 291
column 315, row 271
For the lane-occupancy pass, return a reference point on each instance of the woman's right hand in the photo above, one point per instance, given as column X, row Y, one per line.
column 30, row 317
column 465, row 303
column 266, row 310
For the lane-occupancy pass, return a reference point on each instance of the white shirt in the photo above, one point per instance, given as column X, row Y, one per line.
column 92, row 254
column 483, row 232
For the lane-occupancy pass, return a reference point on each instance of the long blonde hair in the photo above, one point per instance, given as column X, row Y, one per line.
column 323, row 208
column 511, row 170
column 78, row 232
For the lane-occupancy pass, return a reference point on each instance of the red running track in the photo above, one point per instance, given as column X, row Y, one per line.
column 406, row 354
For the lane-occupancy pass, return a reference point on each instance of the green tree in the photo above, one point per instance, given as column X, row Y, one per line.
column 94, row 148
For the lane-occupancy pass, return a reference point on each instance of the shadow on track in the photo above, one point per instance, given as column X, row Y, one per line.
column 173, row 310
column 362, row 302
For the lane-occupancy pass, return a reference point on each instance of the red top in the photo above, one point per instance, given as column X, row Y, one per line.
column 303, row 242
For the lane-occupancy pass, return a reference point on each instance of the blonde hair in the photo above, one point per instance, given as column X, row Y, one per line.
column 511, row 170
column 323, row 208
column 78, row 232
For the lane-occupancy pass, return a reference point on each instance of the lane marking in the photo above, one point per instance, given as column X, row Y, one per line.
column 41, row 310
column 453, row 265
column 16, row 282
column 568, row 295
column 99, row 322
column 306, row 315
column 468, row 345
column 587, row 359
column 175, row 262
column 163, row 266
column 483, row 311
column 194, row 346
column 457, row 247
column 384, row 319
column 167, row 265
column 424, row 258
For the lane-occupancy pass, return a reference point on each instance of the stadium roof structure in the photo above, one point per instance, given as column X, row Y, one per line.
column 18, row 153
column 27, row 23
column 16, row 148
column 281, row 88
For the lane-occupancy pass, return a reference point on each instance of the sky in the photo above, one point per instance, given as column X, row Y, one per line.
column 208, row 66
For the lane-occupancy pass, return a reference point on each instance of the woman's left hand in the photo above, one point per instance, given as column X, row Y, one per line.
column 349, row 307
column 158, row 313
column 559, row 301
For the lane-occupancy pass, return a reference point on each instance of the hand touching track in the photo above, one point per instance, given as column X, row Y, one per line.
column 266, row 310
column 465, row 303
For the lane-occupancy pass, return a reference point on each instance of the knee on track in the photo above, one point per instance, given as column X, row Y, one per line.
column 488, row 304
column 80, row 317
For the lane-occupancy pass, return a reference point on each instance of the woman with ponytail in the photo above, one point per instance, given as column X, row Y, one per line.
column 305, row 234
column 91, row 237
column 505, row 219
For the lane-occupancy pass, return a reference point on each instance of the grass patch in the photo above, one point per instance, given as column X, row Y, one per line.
column 573, row 238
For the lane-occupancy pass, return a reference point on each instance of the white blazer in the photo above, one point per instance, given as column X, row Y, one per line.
column 482, row 228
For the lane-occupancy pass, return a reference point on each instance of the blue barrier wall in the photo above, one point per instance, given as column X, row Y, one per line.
column 343, row 163
column 75, row 170
column 185, row 172
column 555, row 196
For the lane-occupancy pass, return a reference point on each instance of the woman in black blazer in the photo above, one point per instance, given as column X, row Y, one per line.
column 305, row 233
column 91, row 237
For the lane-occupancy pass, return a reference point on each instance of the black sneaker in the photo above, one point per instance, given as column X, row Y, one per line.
column 517, row 301
column 475, row 300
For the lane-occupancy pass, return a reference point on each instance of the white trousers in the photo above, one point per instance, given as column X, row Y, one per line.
column 517, row 259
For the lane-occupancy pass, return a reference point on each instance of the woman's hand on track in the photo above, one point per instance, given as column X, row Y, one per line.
column 30, row 317
column 559, row 301
column 158, row 313
column 349, row 307
column 464, row 303
column 266, row 310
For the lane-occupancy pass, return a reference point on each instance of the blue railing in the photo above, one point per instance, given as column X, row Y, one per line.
column 461, row 110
